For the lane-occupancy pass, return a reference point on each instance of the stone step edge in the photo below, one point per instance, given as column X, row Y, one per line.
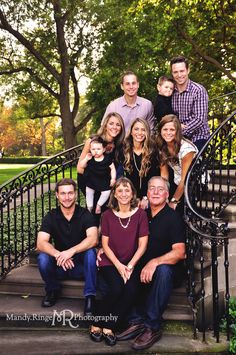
column 166, row 324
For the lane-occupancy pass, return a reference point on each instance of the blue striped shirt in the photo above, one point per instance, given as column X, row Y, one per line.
column 191, row 107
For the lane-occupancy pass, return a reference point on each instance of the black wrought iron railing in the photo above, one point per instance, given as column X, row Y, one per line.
column 210, row 189
column 220, row 107
column 24, row 200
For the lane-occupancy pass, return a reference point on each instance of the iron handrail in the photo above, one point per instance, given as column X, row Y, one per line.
column 194, row 164
column 37, row 166
column 205, row 201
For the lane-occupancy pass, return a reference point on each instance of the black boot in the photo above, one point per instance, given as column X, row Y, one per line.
column 50, row 299
column 89, row 305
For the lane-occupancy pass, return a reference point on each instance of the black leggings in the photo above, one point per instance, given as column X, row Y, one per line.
column 119, row 298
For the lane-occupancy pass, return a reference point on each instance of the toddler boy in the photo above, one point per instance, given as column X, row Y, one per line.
column 162, row 105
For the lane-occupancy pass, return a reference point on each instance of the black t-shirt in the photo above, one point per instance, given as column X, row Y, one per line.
column 66, row 234
column 162, row 107
column 98, row 173
column 165, row 229
column 141, row 184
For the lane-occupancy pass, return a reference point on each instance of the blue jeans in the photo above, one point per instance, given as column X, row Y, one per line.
column 154, row 299
column 85, row 266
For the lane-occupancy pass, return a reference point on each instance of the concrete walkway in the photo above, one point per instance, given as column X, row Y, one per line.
column 58, row 342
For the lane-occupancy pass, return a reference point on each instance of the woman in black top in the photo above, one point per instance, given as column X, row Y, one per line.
column 112, row 131
column 139, row 159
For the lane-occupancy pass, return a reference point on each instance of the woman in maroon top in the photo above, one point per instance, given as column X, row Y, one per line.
column 124, row 230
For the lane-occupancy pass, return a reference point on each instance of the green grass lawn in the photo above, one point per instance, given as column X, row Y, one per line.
column 8, row 171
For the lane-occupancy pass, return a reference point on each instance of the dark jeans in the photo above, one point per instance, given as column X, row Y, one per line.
column 153, row 298
column 85, row 267
column 200, row 143
column 118, row 299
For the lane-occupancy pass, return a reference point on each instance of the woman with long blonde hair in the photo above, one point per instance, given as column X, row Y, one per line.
column 112, row 131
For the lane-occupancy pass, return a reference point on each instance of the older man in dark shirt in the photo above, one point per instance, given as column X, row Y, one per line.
column 166, row 247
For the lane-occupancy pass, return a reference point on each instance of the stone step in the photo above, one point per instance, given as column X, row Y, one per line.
column 176, row 339
column 219, row 192
column 26, row 311
column 229, row 213
column 226, row 175
column 26, row 281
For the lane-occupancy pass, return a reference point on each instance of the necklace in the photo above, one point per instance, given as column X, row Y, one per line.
column 125, row 225
column 138, row 170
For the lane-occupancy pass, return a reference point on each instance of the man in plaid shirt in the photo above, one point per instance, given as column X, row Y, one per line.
column 190, row 103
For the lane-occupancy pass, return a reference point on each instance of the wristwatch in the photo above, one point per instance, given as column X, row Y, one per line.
column 130, row 267
column 173, row 200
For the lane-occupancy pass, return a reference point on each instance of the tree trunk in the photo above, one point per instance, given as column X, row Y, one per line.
column 68, row 128
column 43, row 138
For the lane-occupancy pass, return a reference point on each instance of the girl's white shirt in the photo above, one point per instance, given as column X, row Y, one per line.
column 185, row 148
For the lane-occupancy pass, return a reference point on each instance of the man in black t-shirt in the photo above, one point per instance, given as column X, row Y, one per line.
column 166, row 247
column 71, row 255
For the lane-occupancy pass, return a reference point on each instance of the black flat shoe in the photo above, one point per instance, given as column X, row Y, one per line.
column 96, row 336
column 110, row 339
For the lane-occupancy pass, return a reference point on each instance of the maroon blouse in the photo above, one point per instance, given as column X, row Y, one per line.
column 123, row 241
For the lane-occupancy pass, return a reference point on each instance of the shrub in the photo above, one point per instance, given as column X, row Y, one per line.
column 232, row 315
column 232, row 322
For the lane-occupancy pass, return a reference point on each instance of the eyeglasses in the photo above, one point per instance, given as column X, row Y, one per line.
column 157, row 189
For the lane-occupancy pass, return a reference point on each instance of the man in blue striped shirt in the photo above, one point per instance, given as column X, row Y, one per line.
column 190, row 103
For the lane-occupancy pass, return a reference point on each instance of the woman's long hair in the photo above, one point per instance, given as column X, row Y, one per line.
column 118, row 141
column 113, row 203
column 164, row 155
column 147, row 149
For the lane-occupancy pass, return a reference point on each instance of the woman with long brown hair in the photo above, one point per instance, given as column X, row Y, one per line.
column 177, row 153
column 140, row 161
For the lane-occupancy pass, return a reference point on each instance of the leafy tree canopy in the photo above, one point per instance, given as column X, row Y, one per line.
column 44, row 44
column 144, row 35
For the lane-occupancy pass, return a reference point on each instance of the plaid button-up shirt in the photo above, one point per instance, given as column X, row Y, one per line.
column 191, row 107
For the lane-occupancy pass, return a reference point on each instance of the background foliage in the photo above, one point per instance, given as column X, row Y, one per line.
column 62, row 40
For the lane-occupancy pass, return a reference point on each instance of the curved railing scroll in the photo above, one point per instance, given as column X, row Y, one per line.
column 209, row 192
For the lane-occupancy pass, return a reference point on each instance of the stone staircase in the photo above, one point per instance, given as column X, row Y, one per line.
column 229, row 214
column 62, row 328
column 24, row 285
column 28, row 328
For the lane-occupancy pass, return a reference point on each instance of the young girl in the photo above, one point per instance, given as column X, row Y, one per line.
column 112, row 131
column 177, row 152
column 100, row 173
